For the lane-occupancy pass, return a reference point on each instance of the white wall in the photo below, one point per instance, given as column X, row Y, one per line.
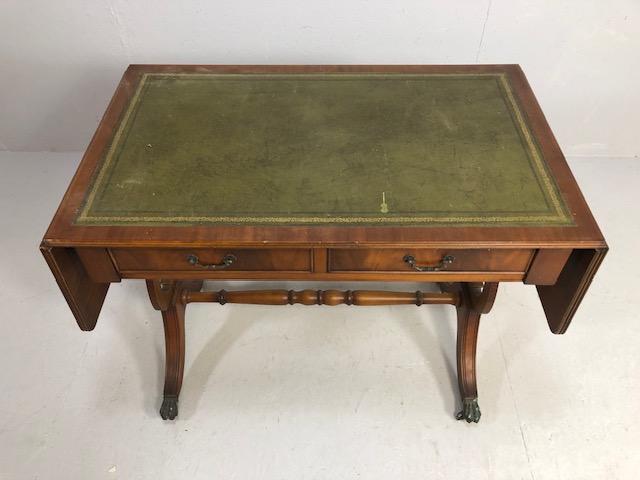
column 60, row 60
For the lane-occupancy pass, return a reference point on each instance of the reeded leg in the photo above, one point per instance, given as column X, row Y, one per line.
column 168, row 297
column 174, row 341
column 468, row 325
column 475, row 299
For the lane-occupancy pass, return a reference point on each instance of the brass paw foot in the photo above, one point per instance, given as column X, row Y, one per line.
column 470, row 410
column 169, row 408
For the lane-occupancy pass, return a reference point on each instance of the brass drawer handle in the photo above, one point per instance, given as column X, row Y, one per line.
column 228, row 259
column 446, row 260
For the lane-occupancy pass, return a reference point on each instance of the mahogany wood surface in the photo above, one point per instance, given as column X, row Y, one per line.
column 546, row 266
column 561, row 300
column 383, row 260
column 83, row 294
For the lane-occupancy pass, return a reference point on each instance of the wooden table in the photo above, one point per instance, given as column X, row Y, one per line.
column 446, row 174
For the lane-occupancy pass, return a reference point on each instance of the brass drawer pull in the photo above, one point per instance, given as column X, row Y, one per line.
column 447, row 259
column 228, row 259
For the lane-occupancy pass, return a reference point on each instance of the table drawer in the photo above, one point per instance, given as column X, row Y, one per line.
column 429, row 260
column 212, row 259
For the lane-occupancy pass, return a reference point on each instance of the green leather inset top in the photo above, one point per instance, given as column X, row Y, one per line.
column 352, row 148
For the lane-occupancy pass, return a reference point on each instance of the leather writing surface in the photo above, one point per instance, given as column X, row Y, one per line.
column 358, row 148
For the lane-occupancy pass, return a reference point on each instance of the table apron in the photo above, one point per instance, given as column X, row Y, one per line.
column 339, row 264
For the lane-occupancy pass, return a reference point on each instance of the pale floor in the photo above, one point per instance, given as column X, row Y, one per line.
column 315, row 392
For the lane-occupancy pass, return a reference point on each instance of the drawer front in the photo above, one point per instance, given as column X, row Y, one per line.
column 212, row 260
column 429, row 260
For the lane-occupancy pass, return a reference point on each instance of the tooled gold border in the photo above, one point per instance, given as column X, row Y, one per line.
column 560, row 217
column 326, row 220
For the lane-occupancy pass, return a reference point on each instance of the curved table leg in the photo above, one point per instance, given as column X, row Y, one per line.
column 169, row 298
column 475, row 299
